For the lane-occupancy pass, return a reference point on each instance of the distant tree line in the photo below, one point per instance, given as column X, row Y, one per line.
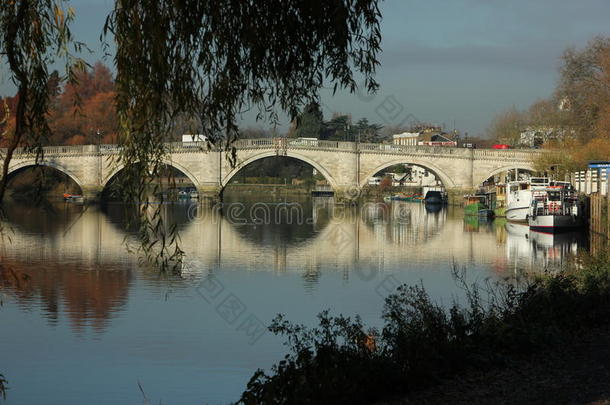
column 84, row 112
column 310, row 123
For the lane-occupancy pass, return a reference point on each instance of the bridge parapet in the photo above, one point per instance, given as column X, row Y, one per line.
column 71, row 150
column 520, row 154
column 306, row 144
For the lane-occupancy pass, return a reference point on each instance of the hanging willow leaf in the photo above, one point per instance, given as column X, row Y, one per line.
column 3, row 386
column 212, row 60
column 215, row 60
column 34, row 34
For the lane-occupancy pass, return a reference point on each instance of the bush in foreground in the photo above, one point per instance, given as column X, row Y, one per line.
column 341, row 361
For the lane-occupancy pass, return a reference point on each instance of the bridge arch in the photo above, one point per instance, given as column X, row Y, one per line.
column 520, row 166
column 291, row 154
column 47, row 163
column 117, row 169
column 445, row 179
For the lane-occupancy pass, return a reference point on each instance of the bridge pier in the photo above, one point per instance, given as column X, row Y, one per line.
column 455, row 195
column 92, row 195
column 210, row 192
column 349, row 194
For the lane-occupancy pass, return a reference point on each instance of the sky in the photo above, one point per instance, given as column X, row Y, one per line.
column 455, row 63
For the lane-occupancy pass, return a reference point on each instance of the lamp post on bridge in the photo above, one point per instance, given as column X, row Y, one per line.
column 99, row 153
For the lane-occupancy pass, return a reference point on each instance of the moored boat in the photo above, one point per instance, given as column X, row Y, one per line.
column 555, row 223
column 77, row 198
column 479, row 205
column 406, row 197
column 435, row 197
column 519, row 198
column 555, row 208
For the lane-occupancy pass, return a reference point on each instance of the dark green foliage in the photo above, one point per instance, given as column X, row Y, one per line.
column 216, row 59
column 338, row 128
column 423, row 342
column 327, row 365
column 367, row 132
column 309, row 122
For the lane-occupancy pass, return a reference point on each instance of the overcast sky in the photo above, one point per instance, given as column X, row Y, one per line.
column 458, row 61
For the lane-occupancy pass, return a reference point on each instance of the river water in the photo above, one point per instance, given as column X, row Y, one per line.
column 83, row 321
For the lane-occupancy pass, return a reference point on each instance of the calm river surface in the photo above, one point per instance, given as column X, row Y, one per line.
column 83, row 322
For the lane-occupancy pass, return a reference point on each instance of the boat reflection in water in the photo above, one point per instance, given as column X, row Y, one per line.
column 538, row 251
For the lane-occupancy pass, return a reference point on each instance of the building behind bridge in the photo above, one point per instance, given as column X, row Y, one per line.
column 427, row 135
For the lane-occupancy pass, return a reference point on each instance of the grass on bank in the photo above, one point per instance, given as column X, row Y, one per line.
column 342, row 362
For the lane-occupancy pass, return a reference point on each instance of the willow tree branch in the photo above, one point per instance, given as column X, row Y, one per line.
column 22, row 78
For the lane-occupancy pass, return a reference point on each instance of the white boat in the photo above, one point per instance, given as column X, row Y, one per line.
column 519, row 198
column 555, row 223
column 194, row 194
column 555, row 208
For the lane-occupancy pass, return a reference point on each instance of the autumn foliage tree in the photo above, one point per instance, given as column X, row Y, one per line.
column 584, row 91
column 506, row 126
column 578, row 111
column 212, row 60
column 85, row 112
column 81, row 112
column 385, row 184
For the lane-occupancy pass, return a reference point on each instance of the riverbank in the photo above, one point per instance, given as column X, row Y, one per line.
column 576, row 371
column 426, row 346
column 599, row 214
column 268, row 188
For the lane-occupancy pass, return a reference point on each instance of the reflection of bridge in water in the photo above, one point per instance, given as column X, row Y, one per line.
column 76, row 259
column 330, row 236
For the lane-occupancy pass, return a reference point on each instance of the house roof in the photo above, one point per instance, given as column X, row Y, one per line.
column 436, row 137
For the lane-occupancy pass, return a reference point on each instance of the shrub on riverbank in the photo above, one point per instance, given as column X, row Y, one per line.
column 3, row 387
column 422, row 342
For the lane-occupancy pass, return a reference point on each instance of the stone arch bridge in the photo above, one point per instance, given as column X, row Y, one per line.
column 347, row 166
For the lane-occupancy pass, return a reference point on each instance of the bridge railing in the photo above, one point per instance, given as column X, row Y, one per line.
column 417, row 149
column 55, row 150
column 511, row 153
column 300, row 143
